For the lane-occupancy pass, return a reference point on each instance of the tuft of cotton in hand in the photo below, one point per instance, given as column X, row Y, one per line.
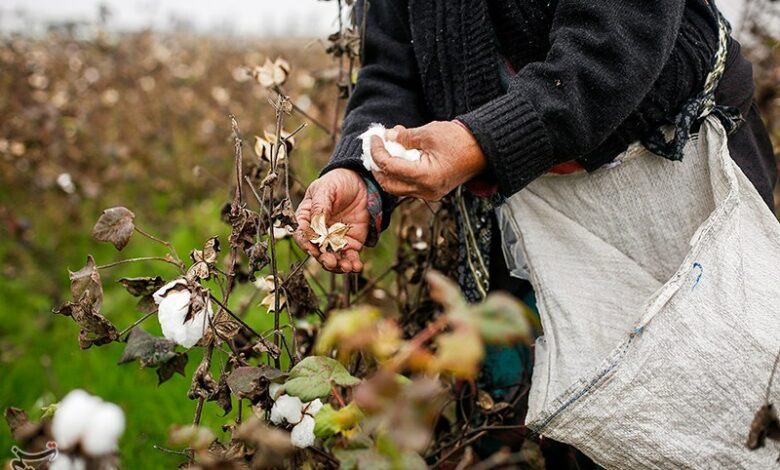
column 87, row 420
column 173, row 300
column 393, row 148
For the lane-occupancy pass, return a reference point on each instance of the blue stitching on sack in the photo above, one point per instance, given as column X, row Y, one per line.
column 698, row 276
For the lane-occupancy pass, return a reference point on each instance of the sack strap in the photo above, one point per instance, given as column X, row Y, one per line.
column 699, row 107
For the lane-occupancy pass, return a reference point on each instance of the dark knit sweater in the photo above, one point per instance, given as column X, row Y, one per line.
column 593, row 76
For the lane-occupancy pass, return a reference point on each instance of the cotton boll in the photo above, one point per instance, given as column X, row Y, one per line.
column 288, row 409
column 173, row 300
column 302, row 434
column 64, row 462
column 71, row 419
column 192, row 331
column 393, row 148
column 105, row 428
column 313, row 407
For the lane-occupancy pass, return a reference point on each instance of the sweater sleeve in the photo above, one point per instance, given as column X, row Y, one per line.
column 388, row 89
column 604, row 57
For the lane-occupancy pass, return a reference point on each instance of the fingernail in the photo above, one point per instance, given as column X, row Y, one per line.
column 391, row 134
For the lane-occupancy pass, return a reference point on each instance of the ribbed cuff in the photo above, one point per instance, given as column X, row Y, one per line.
column 347, row 155
column 513, row 139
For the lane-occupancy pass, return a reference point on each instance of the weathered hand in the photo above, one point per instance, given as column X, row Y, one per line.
column 450, row 157
column 340, row 196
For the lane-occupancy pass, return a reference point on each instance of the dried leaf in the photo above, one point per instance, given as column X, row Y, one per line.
column 95, row 328
column 315, row 376
column 204, row 260
column 333, row 237
column 85, row 285
column 151, row 351
column 227, row 329
column 115, row 225
column 265, row 346
column 252, row 382
column 203, row 383
column 141, row 286
column 223, row 396
column 146, row 304
column 174, row 365
column 209, row 252
column 300, row 297
column 284, row 215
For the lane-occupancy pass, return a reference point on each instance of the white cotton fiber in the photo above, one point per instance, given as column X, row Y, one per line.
column 71, row 419
column 393, row 148
column 302, row 434
column 87, row 420
column 173, row 300
column 106, row 426
column 287, row 408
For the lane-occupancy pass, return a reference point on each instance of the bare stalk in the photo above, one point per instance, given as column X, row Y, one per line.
column 137, row 260
column 167, row 244
column 136, row 323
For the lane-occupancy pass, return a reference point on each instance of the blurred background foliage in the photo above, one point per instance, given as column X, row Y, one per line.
column 91, row 119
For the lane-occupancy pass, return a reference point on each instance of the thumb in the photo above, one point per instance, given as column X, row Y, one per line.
column 409, row 138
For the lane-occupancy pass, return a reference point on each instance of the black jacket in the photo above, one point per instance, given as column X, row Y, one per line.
column 593, row 76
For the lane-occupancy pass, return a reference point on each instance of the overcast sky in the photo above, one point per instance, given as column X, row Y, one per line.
column 240, row 17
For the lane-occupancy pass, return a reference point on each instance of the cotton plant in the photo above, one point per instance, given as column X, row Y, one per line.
column 89, row 423
column 182, row 315
column 291, row 410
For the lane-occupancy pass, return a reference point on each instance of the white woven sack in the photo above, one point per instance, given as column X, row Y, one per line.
column 659, row 291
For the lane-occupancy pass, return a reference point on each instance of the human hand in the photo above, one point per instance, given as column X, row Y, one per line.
column 450, row 157
column 339, row 195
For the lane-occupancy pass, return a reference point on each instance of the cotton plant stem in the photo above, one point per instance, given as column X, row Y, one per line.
column 138, row 260
column 165, row 243
column 271, row 239
column 234, row 208
column 280, row 91
column 136, row 323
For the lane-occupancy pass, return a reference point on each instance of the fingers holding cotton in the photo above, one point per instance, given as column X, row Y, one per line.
column 393, row 148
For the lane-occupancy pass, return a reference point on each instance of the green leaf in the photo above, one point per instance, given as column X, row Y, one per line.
column 371, row 459
column 152, row 351
column 501, row 320
column 329, row 422
column 315, row 376
column 357, row 459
